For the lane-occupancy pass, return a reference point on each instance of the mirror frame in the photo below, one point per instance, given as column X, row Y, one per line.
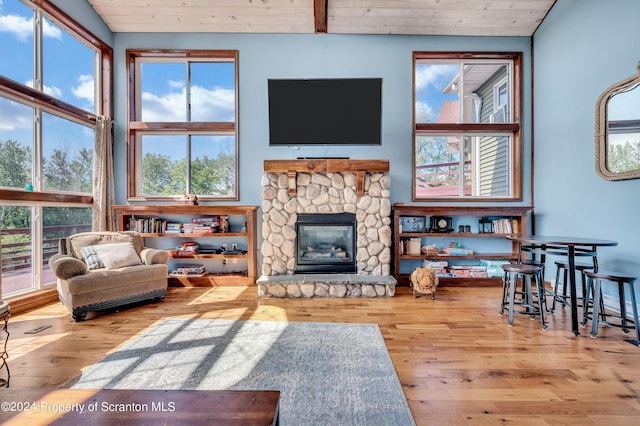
column 601, row 129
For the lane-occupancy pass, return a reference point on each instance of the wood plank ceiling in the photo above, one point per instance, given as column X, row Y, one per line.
column 429, row 17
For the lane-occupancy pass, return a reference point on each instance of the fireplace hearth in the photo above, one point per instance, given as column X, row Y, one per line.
column 326, row 243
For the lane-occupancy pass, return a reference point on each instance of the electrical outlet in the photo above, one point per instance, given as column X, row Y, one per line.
column 224, row 262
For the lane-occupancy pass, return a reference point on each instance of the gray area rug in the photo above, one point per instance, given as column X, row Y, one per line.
column 327, row 373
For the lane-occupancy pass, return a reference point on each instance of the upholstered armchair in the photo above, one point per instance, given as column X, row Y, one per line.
column 101, row 270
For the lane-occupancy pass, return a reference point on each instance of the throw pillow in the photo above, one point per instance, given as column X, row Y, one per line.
column 91, row 257
column 110, row 256
column 117, row 255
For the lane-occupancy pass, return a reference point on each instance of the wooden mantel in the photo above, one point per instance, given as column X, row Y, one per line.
column 326, row 165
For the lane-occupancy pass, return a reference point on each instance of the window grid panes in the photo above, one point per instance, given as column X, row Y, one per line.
column 67, row 149
column 465, row 129
column 50, row 93
column 16, row 41
column 16, row 144
column 194, row 149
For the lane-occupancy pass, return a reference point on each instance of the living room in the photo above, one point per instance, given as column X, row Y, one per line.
column 579, row 50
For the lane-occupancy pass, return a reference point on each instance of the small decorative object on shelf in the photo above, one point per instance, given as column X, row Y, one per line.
column 188, row 200
column 441, row 224
column 484, row 225
column 414, row 246
column 412, row 223
column 224, row 223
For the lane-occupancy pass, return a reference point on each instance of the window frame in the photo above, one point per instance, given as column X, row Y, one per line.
column 136, row 127
column 513, row 127
column 42, row 102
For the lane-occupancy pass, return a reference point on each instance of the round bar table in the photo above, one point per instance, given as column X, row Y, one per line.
column 571, row 243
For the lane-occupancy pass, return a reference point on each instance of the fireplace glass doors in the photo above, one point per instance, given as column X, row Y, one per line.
column 326, row 243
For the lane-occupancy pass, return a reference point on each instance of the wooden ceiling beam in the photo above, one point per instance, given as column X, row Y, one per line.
column 320, row 8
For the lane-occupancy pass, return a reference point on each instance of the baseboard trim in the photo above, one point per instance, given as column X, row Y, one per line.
column 32, row 300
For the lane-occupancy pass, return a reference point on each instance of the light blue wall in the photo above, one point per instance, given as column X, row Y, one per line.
column 264, row 56
column 581, row 48
column 82, row 12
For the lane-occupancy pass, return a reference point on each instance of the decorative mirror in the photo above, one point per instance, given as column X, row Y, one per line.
column 618, row 130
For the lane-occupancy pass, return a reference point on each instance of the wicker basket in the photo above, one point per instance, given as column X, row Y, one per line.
column 424, row 281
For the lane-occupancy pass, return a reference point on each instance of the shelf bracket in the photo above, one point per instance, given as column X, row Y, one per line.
column 292, row 182
column 360, row 184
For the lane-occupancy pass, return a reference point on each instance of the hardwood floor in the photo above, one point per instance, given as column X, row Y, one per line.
column 458, row 361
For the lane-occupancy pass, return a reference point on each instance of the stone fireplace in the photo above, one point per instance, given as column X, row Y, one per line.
column 312, row 187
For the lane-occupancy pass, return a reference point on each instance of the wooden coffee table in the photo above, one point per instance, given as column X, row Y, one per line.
column 134, row 407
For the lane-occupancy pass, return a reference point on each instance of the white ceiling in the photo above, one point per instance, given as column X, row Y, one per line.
column 430, row 17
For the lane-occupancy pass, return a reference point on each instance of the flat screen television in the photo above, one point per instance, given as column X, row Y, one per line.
column 346, row 111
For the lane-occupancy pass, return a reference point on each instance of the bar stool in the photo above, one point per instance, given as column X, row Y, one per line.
column 5, row 314
column 562, row 270
column 532, row 304
column 595, row 280
column 519, row 294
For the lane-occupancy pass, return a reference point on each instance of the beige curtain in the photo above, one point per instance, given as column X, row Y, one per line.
column 103, row 196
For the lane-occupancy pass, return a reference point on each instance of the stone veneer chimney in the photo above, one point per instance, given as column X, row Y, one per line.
column 326, row 192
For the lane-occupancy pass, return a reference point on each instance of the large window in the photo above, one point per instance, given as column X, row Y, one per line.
column 51, row 90
column 183, row 124
column 467, row 126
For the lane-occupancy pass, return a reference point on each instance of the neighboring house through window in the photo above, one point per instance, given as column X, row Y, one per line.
column 467, row 126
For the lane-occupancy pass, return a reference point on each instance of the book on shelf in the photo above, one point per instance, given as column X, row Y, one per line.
column 410, row 246
column 147, row 225
column 173, row 228
column 190, row 269
column 183, row 253
column 212, row 221
column 504, row 226
column 189, row 274
column 455, row 251
column 154, row 225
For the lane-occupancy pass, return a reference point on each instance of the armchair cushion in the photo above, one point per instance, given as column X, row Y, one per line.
column 110, row 256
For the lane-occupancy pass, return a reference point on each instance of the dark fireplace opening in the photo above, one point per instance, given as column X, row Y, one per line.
column 326, row 243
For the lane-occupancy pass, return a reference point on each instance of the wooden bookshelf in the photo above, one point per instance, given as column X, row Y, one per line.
column 186, row 212
column 518, row 214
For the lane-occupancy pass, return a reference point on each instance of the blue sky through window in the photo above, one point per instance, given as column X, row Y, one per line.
column 168, row 87
column 430, row 81
column 68, row 75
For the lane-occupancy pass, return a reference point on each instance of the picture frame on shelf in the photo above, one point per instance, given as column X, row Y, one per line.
column 412, row 223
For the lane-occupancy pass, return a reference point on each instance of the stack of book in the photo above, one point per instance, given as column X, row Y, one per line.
column 173, row 228
column 190, row 270
column 186, row 249
column 467, row 271
column 202, row 225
